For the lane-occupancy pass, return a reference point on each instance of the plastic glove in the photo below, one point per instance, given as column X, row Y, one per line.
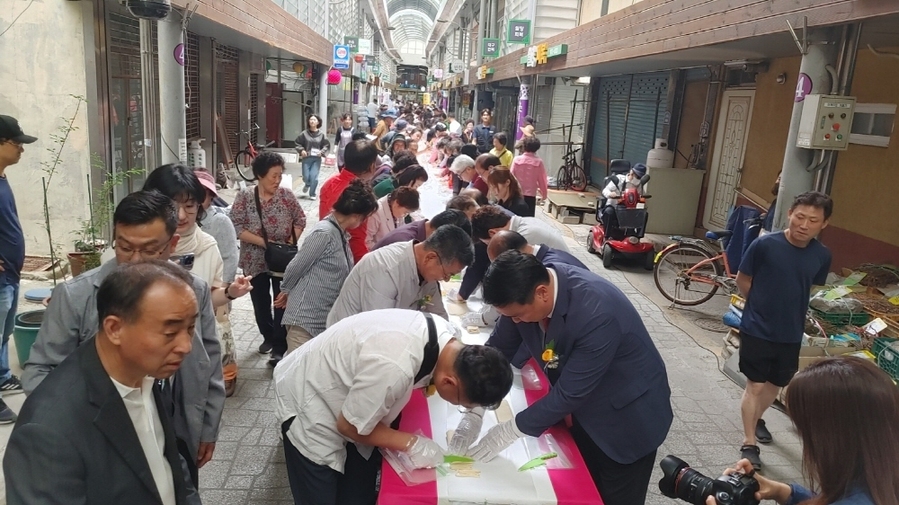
column 453, row 296
column 487, row 316
column 466, row 432
column 496, row 441
column 425, row 453
column 473, row 319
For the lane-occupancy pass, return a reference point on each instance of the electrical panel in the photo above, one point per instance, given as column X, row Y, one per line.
column 826, row 122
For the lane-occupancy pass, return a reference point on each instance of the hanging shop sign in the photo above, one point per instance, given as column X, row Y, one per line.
column 484, row 71
column 352, row 43
column 438, row 73
column 519, row 31
column 364, row 46
column 542, row 53
column 341, row 57
column 490, row 48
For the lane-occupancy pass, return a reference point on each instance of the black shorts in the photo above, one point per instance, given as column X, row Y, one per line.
column 766, row 361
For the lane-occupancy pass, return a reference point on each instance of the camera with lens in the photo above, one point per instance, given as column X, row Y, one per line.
column 681, row 481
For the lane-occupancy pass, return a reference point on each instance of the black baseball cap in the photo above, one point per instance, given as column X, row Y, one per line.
column 10, row 129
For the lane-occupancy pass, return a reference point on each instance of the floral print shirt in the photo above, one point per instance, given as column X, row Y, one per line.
column 282, row 213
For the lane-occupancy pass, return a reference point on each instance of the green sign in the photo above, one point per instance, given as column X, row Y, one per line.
column 376, row 69
column 352, row 42
column 490, row 47
column 558, row 50
column 519, row 31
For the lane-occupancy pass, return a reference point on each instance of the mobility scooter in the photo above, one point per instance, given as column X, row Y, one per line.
column 623, row 240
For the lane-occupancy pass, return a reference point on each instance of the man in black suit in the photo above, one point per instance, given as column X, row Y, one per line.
column 98, row 429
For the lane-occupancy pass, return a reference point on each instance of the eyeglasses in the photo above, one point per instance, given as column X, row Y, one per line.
column 147, row 254
column 446, row 275
column 13, row 142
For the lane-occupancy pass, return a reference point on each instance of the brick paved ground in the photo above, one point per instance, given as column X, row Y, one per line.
column 248, row 467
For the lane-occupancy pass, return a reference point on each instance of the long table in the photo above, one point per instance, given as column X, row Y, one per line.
column 564, row 481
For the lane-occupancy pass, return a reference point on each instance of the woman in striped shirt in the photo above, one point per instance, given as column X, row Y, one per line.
column 315, row 275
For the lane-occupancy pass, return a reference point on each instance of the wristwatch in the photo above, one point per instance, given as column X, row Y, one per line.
column 228, row 294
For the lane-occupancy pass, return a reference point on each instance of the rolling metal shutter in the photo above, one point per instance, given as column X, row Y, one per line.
column 228, row 94
column 254, row 106
column 192, row 85
column 629, row 114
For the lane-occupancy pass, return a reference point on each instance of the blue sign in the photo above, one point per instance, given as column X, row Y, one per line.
column 341, row 57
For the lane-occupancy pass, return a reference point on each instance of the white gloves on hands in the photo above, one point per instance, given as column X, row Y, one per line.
column 466, row 432
column 425, row 453
column 496, row 441
column 487, row 316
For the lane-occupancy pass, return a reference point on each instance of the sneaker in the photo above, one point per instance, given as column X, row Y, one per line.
column 762, row 435
column 12, row 385
column 275, row 359
column 752, row 453
column 265, row 348
column 305, row 189
column 7, row 416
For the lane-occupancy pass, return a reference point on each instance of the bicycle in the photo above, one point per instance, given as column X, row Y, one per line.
column 571, row 176
column 692, row 267
column 244, row 158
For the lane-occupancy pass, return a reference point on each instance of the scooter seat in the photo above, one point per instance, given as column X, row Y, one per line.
column 718, row 235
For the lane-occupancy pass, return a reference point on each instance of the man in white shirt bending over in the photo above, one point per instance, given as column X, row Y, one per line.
column 338, row 395
column 98, row 430
column 405, row 275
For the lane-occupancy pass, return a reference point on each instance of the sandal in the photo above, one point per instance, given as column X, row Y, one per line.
column 752, row 453
column 762, row 435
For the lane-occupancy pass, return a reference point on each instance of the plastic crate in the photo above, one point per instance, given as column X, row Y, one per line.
column 841, row 319
column 881, row 343
column 888, row 361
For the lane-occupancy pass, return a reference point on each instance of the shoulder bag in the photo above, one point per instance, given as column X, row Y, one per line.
column 277, row 254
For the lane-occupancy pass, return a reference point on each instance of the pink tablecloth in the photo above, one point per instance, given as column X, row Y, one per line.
column 572, row 486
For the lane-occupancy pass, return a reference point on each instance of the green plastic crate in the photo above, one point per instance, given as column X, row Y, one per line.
column 887, row 357
column 838, row 319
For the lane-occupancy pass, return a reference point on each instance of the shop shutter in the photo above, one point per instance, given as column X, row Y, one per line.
column 608, row 130
column 645, row 114
column 229, row 97
column 192, row 85
column 254, row 105
column 629, row 115
column 563, row 98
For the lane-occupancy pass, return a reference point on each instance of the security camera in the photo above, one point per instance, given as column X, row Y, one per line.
column 149, row 9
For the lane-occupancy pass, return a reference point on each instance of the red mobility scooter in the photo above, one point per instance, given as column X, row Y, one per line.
column 623, row 240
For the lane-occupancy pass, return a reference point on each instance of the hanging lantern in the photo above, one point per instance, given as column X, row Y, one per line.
column 299, row 67
column 334, row 76
column 359, row 58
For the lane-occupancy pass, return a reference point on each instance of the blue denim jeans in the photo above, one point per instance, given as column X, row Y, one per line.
column 9, row 299
column 311, row 166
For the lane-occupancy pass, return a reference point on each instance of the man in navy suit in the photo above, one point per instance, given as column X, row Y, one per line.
column 507, row 240
column 603, row 367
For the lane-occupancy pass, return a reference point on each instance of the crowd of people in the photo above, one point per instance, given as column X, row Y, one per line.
column 128, row 376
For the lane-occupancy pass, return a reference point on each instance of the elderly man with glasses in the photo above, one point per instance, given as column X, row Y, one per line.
column 405, row 275
column 145, row 229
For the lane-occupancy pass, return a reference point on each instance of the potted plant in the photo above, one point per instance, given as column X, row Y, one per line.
column 88, row 249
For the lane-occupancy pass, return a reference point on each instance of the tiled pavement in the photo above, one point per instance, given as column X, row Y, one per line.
column 248, row 466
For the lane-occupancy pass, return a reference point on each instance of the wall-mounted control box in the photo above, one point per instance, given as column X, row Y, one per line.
column 826, row 122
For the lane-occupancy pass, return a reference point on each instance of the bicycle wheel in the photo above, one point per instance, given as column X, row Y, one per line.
column 563, row 178
column 693, row 288
column 244, row 160
column 578, row 177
